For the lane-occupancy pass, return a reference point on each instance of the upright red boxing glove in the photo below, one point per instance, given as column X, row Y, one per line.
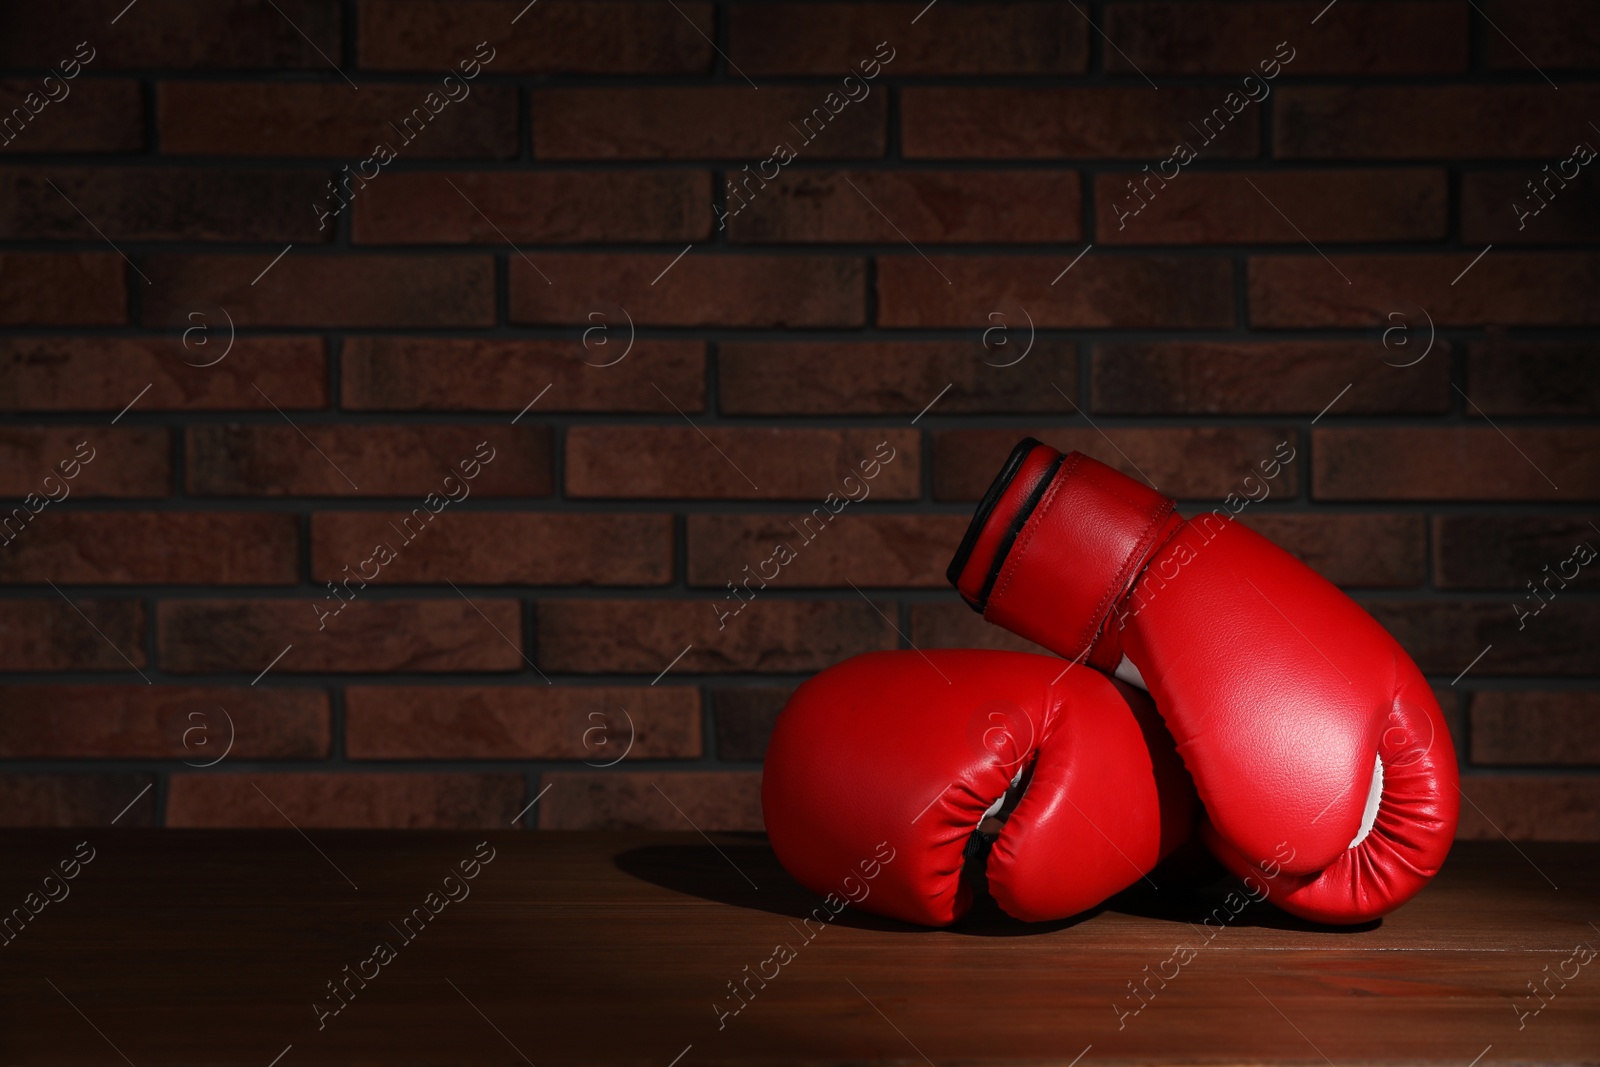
column 1318, row 749
column 896, row 779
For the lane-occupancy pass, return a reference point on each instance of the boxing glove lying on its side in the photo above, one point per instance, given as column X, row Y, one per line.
column 1056, row 789
column 1317, row 747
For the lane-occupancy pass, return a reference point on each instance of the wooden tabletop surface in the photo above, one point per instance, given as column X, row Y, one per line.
column 217, row 947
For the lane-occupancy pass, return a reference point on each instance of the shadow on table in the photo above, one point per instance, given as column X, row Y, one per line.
column 742, row 871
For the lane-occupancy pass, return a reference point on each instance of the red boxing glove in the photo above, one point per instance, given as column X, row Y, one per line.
column 1318, row 749
column 891, row 774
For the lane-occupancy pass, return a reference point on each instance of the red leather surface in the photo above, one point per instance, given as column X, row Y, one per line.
column 897, row 751
column 1277, row 688
column 975, row 575
column 1078, row 552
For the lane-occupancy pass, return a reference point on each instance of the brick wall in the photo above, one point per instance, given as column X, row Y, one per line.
column 573, row 384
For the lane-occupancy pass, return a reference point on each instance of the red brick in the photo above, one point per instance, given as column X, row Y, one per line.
column 1512, row 728
column 1506, row 288
column 699, row 290
column 707, row 122
column 229, row 459
column 164, row 722
column 1237, row 38
column 495, row 548
column 1264, row 378
column 103, row 116
column 324, row 290
column 62, row 288
column 757, row 464
column 1429, row 122
column 53, row 635
column 1530, row 809
column 366, row 635
column 1350, row 550
column 1509, row 551
column 1082, row 122
column 1285, row 207
column 161, row 204
column 644, row 636
column 1455, row 463
column 957, row 626
column 329, row 800
column 451, row 374
column 522, row 722
column 1190, row 463
column 155, row 547
column 841, row 38
column 745, row 717
column 897, row 377
column 548, row 207
column 1532, row 378
column 1143, row 292
column 76, row 799
column 682, row 800
column 1497, row 205
column 557, row 37
column 121, row 462
column 1549, row 34
column 869, row 550
column 179, row 34
column 892, row 207
column 1445, row 636
column 104, row 373
column 332, row 119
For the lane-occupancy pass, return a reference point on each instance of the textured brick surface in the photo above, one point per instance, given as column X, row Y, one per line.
column 713, row 635
column 387, row 801
column 185, row 371
column 831, row 38
column 323, row 119
column 1097, row 122
column 494, row 548
column 941, row 207
column 76, row 800
column 1521, row 728
column 1469, row 463
column 232, row 459
column 1191, row 463
column 315, row 634
column 683, row 267
column 570, row 37
column 154, row 548
column 323, row 290
column 680, row 800
column 1266, row 207
column 605, row 369
column 196, row 724
column 1273, row 378
column 745, row 718
column 1105, row 291
column 869, row 550
column 697, row 290
column 708, row 123
column 563, row 207
column 1001, row 374
column 83, row 461
column 1509, row 551
column 598, row 725
column 1234, row 38
column 62, row 289
column 81, row 634
column 671, row 461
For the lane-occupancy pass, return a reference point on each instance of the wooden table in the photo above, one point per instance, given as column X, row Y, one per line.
column 212, row 947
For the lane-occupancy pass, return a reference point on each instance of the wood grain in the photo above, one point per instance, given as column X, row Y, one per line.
column 209, row 947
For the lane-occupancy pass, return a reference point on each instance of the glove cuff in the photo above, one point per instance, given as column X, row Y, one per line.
column 1055, row 546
